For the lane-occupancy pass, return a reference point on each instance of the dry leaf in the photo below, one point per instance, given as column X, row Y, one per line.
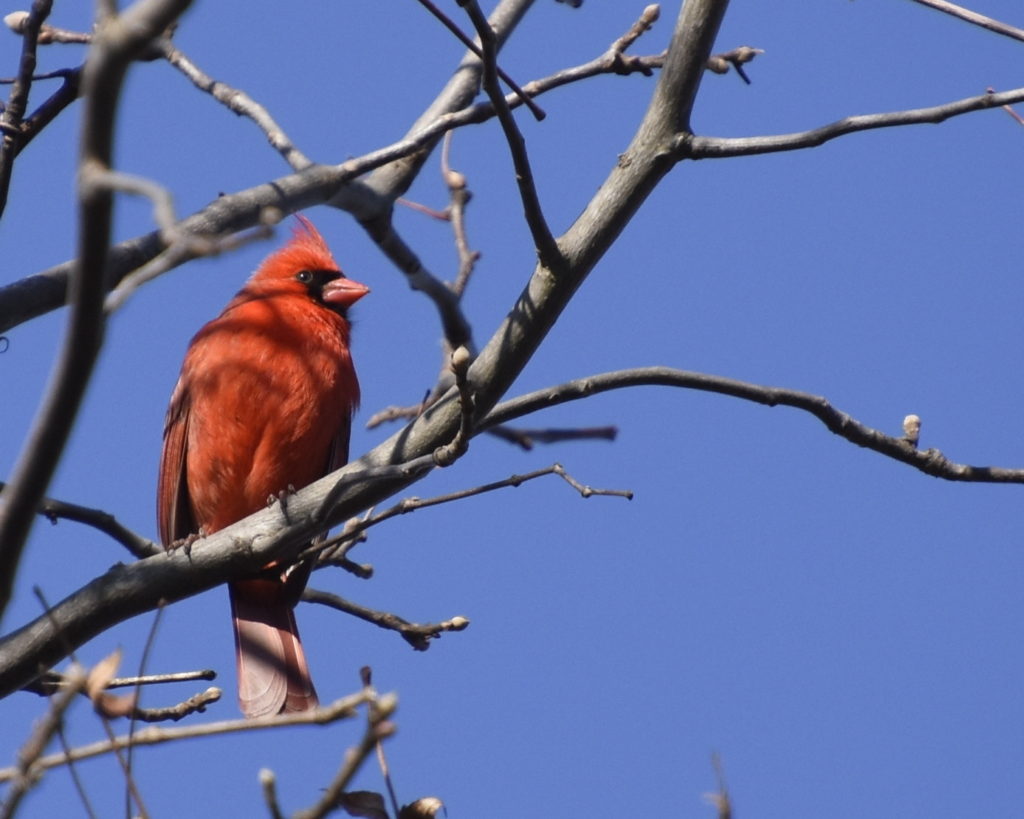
column 367, row 804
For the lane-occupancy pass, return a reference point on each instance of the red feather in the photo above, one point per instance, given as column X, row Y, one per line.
column 264, row 402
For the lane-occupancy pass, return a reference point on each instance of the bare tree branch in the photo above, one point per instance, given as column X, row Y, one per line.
column 268, row 783
column 406, row 505
column 55, row 510
column 31, row 765
column 263, row 537
column 11, row 124
column 238, row 102
column 450, row 452
column 460, row 196
column 930, row 461
column 973, row 17
column 115, row 45
column 547, row 249
column 172, row 713
column 60, row 99
column 688, row 146
column 344, row 708
column 53, row 681
column 479, row 52
column 526, row 438
column 378, row 727
column 19, row 21
column 38, row 294
column 418, row 635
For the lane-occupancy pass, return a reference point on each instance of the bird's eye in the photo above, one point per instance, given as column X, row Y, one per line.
column 304, row 276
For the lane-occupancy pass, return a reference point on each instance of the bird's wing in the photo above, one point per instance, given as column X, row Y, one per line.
column 173, row 505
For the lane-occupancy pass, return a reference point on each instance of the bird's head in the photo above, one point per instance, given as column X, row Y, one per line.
column 305, row 267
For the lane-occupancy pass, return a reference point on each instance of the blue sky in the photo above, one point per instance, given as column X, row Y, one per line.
column 842, row 630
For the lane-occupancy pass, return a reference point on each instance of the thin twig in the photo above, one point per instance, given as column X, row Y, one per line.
column 17, row 102
column 195, row 704
column 975, row 18
column 930, row 461
column 460, row 195
column 449, row 453
column 705, row 147
column 268, row 784
column 736, row 59
column 418, row 635
column 407, row 505
column 73, row 773
column 31, row 762
column 239, row 103
column 60, row 99
column 378, row 727
column 381, row 758
column 344, row 708
column 233, row 99
column 36, row 295
column 184, row 247
column 54, row 510
column 394, row 413
column 52, row 681
column 449, row 24
column 454, row 324
column 526, row 438
column 17, row 21
column 547, row 248
column 131, row 791
column 107, row 706
column 1008, row 109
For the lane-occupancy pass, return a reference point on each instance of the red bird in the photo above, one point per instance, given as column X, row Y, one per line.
column 264, row 403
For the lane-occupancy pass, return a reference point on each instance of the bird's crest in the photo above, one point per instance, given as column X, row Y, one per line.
column 306, row 250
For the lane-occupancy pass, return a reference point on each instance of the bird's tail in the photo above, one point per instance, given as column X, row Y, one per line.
column 273, row 676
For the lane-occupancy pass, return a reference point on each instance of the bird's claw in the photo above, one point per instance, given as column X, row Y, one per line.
column 184, row 543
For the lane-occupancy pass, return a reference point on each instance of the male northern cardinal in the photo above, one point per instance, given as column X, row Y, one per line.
column 264, row 403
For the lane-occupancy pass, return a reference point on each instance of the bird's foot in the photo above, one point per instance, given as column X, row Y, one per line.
column 185, row 543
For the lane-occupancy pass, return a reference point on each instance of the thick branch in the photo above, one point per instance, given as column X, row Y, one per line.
column 127, row 590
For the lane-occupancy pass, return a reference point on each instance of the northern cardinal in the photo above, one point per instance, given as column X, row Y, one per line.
column 264, row 404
